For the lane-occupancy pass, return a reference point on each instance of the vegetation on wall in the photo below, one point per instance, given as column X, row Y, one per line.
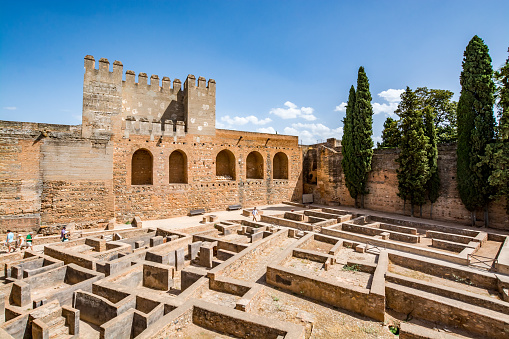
column 476, row 123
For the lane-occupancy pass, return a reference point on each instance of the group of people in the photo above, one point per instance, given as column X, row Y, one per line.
column 21, row 242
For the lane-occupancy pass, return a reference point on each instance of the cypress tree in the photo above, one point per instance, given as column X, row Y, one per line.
column 348, row 147
column 475, row 127
column 390, row 134
column 499, row 178
column 413, row 172
column 362, row 132
column 433, row 185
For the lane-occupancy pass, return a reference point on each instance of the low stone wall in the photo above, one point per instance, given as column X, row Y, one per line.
column 400, row 229
column 290, row 223
column 453, row 246
column 449, row 292
column 443, row 269
column 502, row 264
column 462, row 239
column 454, row 313
column 399, row 246
column 373, row 231
column 98, row 310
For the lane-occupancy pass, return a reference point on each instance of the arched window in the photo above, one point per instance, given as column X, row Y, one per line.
column 178, row 167
column 280, row 166
column 141, row 168
column 254, row 166
column 225, row 165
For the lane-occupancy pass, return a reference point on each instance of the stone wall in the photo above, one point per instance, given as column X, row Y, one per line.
column 383, row 185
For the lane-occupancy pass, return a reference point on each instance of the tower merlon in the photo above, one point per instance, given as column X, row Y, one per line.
column 177, row 85
column 190, row 81
column 104, row 66
column 89, row 63
column 201, row 82
column 154, row 82
column 211, row 85
column 142, row 79
column 130, row 77
column 166, row 83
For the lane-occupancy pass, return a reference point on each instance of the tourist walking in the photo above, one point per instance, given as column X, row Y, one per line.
column 10, row 240
column 254, row 213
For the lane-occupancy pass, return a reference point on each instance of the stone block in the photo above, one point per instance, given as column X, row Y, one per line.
column 154, row 241
column 385, row 235
column 360, row 248
column 139, row 244
column 206, row 256
column 157, row 277
column 171, row 259
column 111, row 224
column 116, row 236
column 256, row 236
column 172, row 237
column 136, row 222
column 194, row 249
column 213, row 218
column 180, row 257
column 292, row 233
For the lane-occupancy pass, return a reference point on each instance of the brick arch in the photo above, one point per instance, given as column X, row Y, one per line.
column 225, row 165
column 254, row 165
column 141, row 167
column 280, row 166
column 178, row 167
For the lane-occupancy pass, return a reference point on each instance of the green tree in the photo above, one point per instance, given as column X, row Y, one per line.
column 445, row 111
column 475, row 127
column 390, row 134
column 499, row 152
column 348, row 147
column 362, row 132
column 413, row 172
column 433, row 185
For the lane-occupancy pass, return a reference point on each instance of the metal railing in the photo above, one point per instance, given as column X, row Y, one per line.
column 481, row 262
column 374, row 246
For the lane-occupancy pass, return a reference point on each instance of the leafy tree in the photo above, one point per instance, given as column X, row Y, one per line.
column 413, row 172
column 348, row 147
column 390, row 134
column 445, row 111
column 433, row 185
column 499, row 152
column 475, row 127
column 362, row 132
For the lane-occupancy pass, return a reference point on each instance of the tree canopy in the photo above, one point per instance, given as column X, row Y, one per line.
column 413, row 171
column 475, row 126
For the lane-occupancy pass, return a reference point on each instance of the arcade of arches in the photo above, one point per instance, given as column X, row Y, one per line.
column 142, row 166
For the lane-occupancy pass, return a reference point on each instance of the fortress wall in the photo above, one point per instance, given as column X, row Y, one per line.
column 152, row 101
column 202, row 190
column 383, row 186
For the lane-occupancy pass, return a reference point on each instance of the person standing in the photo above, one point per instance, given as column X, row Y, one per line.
column 29, row 241
column 62, row 234
column 10, row 240
column 254, row 212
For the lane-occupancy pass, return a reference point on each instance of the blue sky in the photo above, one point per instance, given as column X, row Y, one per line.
column 282, row 66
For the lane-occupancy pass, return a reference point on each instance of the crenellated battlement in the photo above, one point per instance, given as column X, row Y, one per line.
column 110, row 103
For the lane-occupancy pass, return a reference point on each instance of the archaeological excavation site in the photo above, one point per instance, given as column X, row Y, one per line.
column 160, row 240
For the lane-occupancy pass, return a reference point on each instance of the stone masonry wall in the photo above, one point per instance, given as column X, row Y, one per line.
column 383, row 186
column 203, row 190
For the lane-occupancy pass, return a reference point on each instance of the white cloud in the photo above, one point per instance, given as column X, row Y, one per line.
column 377, row 139
column 341, row 107
column 269, row 130
column 10, row 108
column 391, row 95
column 245, row 120
column 311, row 133
column 385, row 108
column 292, row 111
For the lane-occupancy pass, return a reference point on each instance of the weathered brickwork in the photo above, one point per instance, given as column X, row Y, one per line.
column 54, row 174
column 383, row 185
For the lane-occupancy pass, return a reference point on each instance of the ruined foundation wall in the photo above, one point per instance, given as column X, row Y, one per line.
column 383, row 186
